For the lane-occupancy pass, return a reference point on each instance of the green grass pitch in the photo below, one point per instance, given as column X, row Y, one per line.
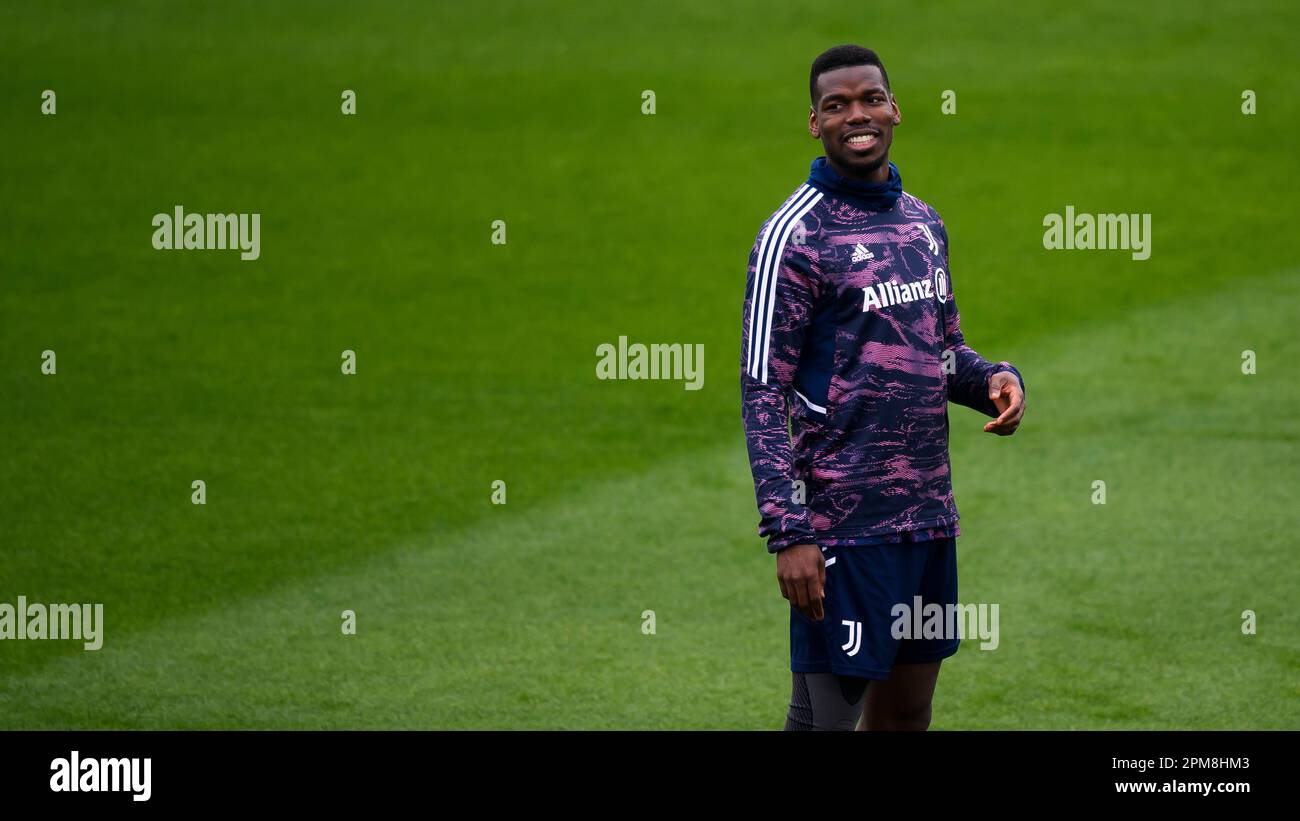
column 476, row 362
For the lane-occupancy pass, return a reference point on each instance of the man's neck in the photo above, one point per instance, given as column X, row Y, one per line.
column 878, row 174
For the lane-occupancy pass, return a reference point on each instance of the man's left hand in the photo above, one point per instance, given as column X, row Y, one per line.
column 1009, row 398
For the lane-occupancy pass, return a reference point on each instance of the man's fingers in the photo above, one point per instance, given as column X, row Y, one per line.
column 821, row 588
column 1009, row 397
column 812, row 593
column 801, row 575
column 796, row 595
column 815, row 598
column 1006, row 424
column 1005, row 386
column 812, row 599
column 1000, row 422
column 800, row 595
column 1015, row 397
column 1010, row 416
column 1001, row 428
column 1000, row 383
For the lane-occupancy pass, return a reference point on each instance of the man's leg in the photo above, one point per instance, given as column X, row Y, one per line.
column 901, row 702
column 825, row 701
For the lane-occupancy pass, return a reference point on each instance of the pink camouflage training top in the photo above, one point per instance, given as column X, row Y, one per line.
column 851, row 351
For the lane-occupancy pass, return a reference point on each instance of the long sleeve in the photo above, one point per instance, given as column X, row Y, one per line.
column 968, row 384
column 781, row 290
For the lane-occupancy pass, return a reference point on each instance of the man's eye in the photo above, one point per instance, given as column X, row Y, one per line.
column 833, row 107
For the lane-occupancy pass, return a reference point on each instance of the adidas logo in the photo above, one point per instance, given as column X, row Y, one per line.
column 861, row 252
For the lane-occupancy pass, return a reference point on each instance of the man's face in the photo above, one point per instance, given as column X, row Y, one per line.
column 854, row 118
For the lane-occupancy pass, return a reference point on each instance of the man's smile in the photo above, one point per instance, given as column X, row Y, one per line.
column 862, row 141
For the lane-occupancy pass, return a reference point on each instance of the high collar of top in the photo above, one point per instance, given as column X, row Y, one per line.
column 871, row 196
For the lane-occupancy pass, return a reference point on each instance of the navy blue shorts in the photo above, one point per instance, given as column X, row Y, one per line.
column 863, row 585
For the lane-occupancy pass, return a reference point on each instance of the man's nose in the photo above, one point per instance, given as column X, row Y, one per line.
column 858, row 113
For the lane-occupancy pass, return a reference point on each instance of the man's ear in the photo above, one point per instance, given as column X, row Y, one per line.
column 812, row 124
column 898, row 115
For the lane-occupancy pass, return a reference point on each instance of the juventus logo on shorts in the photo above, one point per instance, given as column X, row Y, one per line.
column 855, row 637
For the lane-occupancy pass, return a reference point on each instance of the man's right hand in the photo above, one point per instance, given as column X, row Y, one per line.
column 801, row 572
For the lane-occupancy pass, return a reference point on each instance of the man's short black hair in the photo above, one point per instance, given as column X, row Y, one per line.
column 840, row 57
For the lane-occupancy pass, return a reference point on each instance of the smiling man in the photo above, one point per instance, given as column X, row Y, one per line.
column 851, row 351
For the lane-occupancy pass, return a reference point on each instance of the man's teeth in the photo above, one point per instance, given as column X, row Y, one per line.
column 861, row 139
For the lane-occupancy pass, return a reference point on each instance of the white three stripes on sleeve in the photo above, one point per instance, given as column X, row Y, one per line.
column 769, row 269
